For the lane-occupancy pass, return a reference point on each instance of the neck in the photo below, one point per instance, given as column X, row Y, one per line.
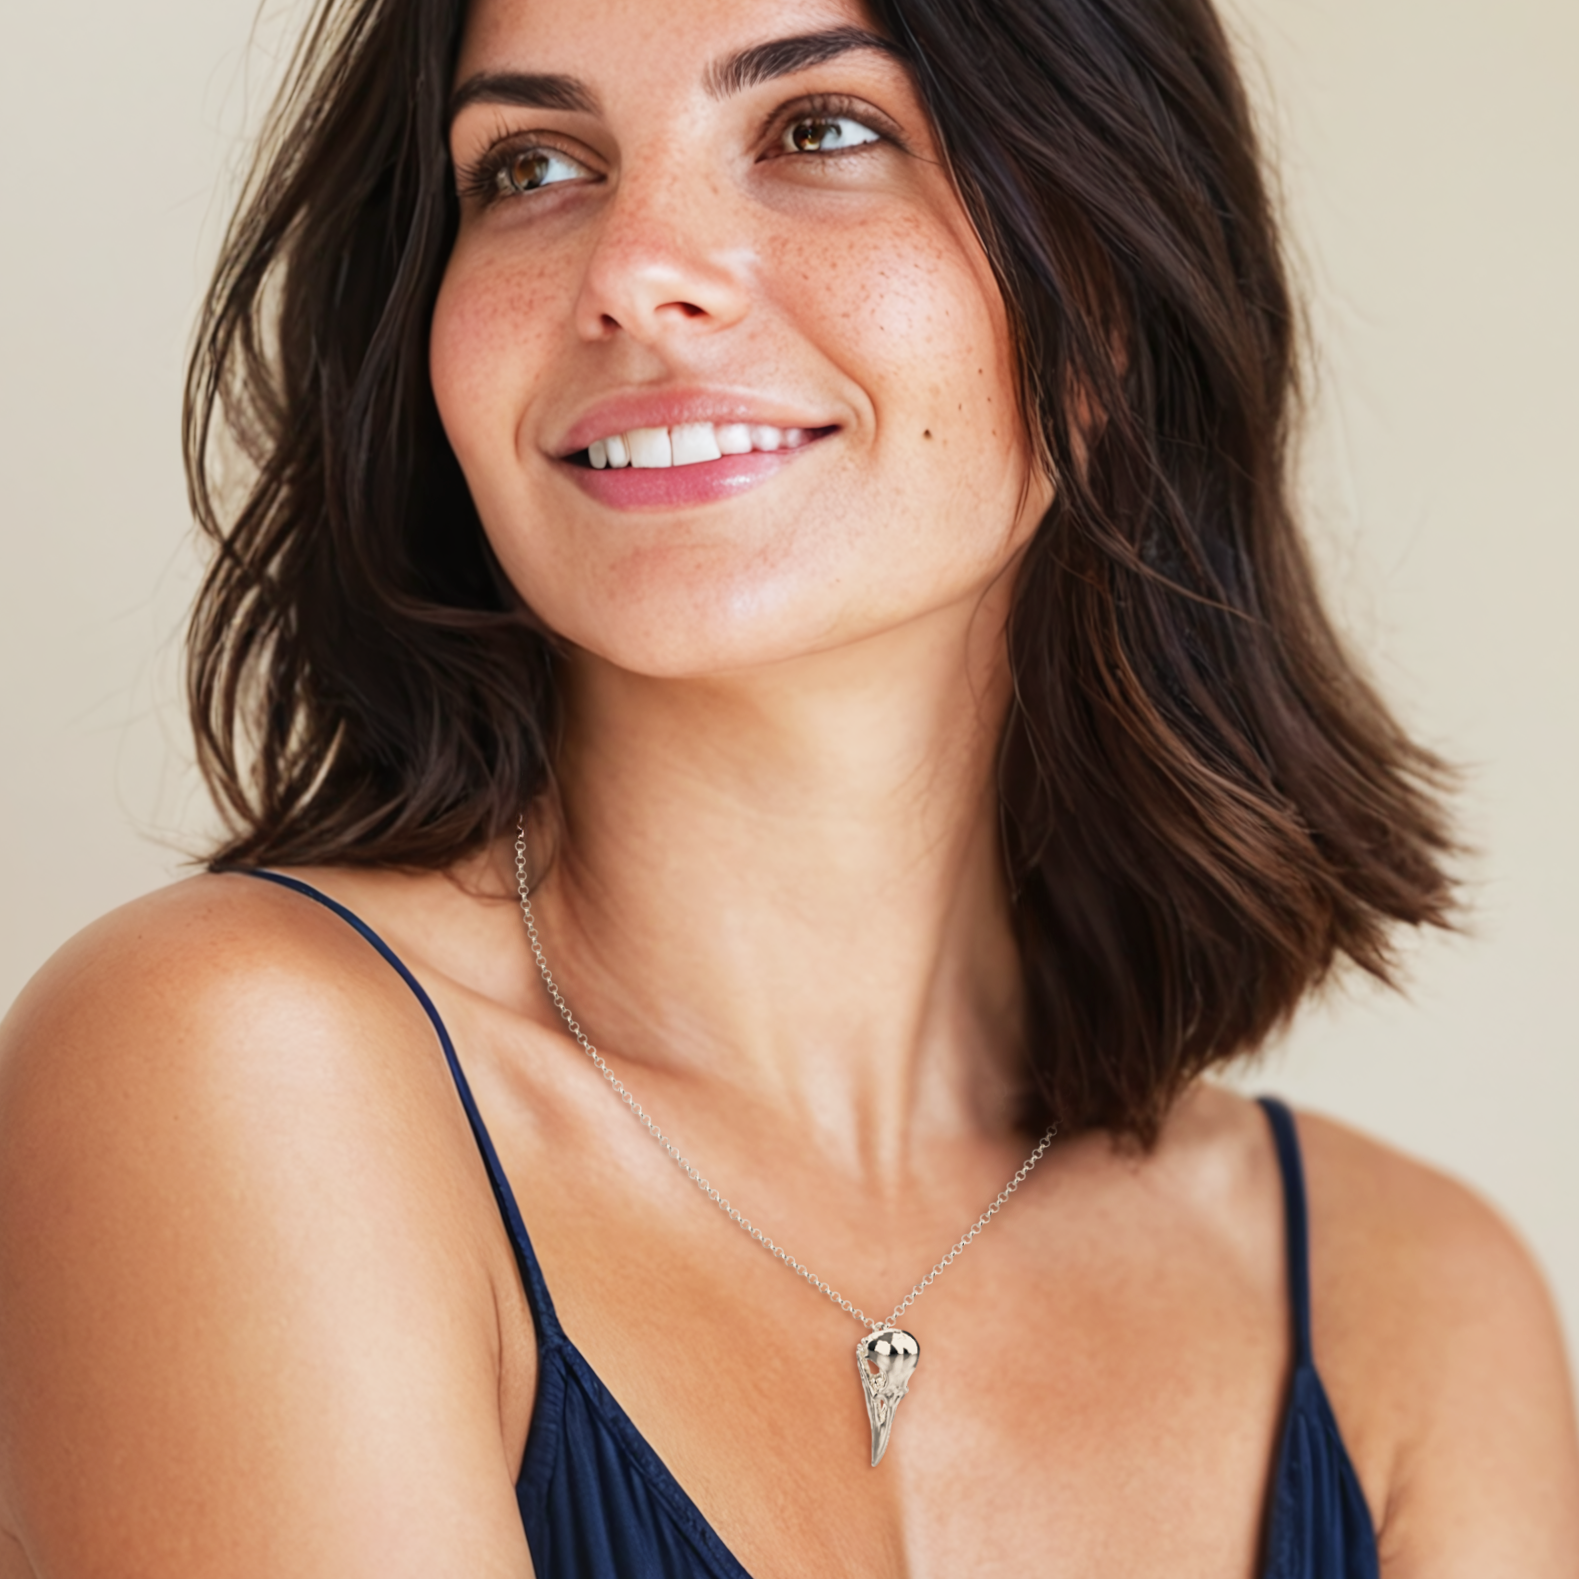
column 790, row 881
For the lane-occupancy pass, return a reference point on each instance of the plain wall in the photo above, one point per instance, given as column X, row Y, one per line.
column 1428, row 151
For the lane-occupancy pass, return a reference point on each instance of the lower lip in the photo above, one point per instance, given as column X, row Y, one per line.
column 675, row 487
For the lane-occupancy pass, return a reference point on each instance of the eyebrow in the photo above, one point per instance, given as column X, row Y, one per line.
column 782, row 57
column 525, row 90
column 748, row 68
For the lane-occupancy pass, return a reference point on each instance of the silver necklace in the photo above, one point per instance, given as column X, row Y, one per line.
column 886, row 1357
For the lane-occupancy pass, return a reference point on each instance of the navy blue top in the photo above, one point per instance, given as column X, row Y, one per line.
column 597, row 1502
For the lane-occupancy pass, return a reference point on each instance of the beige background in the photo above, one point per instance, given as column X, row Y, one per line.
column 1429, row 157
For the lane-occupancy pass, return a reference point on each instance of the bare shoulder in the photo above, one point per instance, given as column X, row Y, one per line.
column 1441, row 1351
column 223, row 1008
column 198, row 947
column 1404, row 1251
column 244, row 1248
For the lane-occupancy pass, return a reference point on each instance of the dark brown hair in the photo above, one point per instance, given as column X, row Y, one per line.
column 1203, row 804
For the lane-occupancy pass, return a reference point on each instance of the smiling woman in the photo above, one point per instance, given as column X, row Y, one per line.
column 765, row 547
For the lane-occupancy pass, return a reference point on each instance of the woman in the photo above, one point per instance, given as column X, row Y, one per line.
column 822, row 471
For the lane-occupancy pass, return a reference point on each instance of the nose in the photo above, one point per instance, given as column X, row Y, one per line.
column 670, row 259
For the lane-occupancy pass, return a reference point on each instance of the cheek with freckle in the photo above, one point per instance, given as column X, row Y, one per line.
column 918, row 322
column 493, row 343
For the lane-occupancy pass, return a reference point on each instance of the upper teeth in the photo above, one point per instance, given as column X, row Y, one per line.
column 689, row 443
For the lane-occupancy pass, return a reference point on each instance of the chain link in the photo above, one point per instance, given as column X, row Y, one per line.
column 696, row 1178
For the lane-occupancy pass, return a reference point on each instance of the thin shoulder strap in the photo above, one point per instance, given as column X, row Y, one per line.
column 536, row 1289
column 1297, row 1224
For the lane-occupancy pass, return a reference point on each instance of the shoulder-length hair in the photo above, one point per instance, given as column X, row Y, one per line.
column 1203, row 804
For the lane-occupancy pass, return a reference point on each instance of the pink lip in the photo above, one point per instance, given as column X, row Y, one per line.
column 668, row 409
column 676, row 487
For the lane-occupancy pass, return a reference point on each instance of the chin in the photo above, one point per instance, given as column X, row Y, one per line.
column 691, row 632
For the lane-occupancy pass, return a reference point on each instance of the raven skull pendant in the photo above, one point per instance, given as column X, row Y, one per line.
column 886, row 1361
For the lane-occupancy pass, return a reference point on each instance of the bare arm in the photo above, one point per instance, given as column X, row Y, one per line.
column 247, row 1325
column 1437, row 1336
column 1488, row 1478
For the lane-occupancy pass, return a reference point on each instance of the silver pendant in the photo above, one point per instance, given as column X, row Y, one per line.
column 886, row 1361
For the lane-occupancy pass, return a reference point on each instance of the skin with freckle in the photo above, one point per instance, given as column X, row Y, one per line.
column 259, row 1312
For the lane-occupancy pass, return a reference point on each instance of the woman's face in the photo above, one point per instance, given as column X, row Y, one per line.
column 720, row 229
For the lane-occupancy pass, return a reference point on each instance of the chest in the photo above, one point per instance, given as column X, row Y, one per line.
column 1099, row 1389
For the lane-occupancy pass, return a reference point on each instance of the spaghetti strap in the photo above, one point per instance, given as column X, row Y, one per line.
column 1319, row 1523
column 538, row 1297
column 1296, row 1225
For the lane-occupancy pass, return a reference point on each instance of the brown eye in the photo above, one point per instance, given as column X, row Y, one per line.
column 523, row 172
column 827, row 134
column 531, row 169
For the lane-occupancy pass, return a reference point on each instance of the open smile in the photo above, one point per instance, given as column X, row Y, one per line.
column 690, row 444
column 687, row 463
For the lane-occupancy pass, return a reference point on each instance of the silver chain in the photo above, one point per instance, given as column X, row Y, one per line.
column 696, row 1178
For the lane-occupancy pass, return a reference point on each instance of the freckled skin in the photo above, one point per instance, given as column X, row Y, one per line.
column 850, row 285
column 258, row 1311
